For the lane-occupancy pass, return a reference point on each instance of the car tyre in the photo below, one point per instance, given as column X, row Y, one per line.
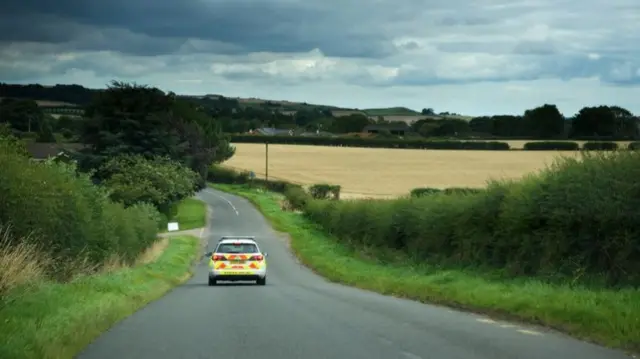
column 262, row 281
column 212, row 281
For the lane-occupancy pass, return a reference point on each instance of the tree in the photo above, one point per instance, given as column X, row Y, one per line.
column 352, row 123
column 22, row 115
column 544, row 122
column 160, row 181
column 604, row 121
column 133, row 119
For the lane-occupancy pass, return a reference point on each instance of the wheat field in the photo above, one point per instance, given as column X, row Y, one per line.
column 379, row 173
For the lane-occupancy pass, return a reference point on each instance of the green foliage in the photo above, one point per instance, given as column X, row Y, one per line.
column 325, row 191
column 462, row 190
column 72, row 217
column 141, row 120
column 551, row 146
column 297, row 197
column 10, row 143
column 544, row 122
column 373, row 142
column 579, row 219
column 600, row 146
column 424, row 191
column 160, row 181
column 634, row 146
column 219, row 174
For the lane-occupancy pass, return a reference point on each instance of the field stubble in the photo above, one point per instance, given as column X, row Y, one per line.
column 380, row 173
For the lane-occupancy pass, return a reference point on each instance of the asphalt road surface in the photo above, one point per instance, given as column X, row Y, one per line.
column 300, row 315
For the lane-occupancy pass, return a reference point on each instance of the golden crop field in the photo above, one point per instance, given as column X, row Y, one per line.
column 366, row 172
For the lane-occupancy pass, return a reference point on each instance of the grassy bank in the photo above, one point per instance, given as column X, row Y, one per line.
column 191, row 213
column 50, row 320
column 605, row 316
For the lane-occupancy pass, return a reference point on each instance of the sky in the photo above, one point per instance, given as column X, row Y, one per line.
column 474, row 57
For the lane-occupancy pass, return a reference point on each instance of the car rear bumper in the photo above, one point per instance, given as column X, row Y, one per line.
column 239, row 275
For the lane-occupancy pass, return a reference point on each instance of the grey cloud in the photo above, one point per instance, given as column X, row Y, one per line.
column 224, row 30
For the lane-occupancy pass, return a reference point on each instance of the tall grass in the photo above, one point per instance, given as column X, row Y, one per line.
column 577, row 220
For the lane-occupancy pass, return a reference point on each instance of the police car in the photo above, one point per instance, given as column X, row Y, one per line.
column 237, row 258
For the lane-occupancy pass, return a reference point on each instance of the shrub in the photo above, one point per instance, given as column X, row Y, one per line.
column 634, row 146
column 70, row 216
column 160, row 181
column 600, row 146
column 423, row 191
column 580, row 218
column 297, row 197
column 325, row 191
column 219, row 174
column 551, row 146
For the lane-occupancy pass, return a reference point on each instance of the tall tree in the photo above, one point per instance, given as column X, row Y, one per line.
column 604, row 121
column 134, row 119
column 544, row 121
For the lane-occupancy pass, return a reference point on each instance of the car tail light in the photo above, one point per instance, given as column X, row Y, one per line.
column 257, row 257
column 217, row 257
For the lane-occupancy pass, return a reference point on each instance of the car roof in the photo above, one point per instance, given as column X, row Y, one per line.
column 243, row 241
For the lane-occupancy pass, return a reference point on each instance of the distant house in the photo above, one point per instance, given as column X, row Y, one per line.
column 43, row 151
column 269, row 131
column 395, row 129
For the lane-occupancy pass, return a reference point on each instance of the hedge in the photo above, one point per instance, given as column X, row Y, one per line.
column 424, row 191
column 551, row 146
column 373, row 142
column 600, row 146
column 578, row 219
column 71, row 216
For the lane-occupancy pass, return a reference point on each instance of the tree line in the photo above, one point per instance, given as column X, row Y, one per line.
column 234, row 116
column 143, row 152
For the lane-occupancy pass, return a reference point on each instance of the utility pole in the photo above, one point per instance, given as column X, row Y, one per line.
column 266, row 160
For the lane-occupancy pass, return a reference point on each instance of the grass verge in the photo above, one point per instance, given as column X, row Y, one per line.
column 192, row 213
column 606, row 317
column 54, row 320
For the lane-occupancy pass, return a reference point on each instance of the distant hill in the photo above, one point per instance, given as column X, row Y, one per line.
column 70, row 95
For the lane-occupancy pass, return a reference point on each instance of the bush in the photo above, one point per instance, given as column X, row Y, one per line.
column 424, row 191
column 71, row 217
column 160, row 181
column 219, row 174
column 325, row 191
column 373, row 142
column 634, row 146
column 600, row 146
column 580, row 218
column 462, row 190
column 551, row 146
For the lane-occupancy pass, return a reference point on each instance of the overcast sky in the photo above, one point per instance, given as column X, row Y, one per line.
column 468, row 56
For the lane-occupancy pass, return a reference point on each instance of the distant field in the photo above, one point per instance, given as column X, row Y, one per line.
column 364, row 172
column 390, row 111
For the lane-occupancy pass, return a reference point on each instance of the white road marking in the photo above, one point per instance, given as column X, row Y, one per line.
column 507, row 325
column 201, row 232
column 530, row 332
column 491, row 321
column 226, row 200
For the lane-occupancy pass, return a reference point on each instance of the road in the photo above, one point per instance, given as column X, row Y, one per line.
column 300, row 315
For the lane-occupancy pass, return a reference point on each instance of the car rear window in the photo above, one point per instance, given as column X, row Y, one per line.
column 237, row 248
